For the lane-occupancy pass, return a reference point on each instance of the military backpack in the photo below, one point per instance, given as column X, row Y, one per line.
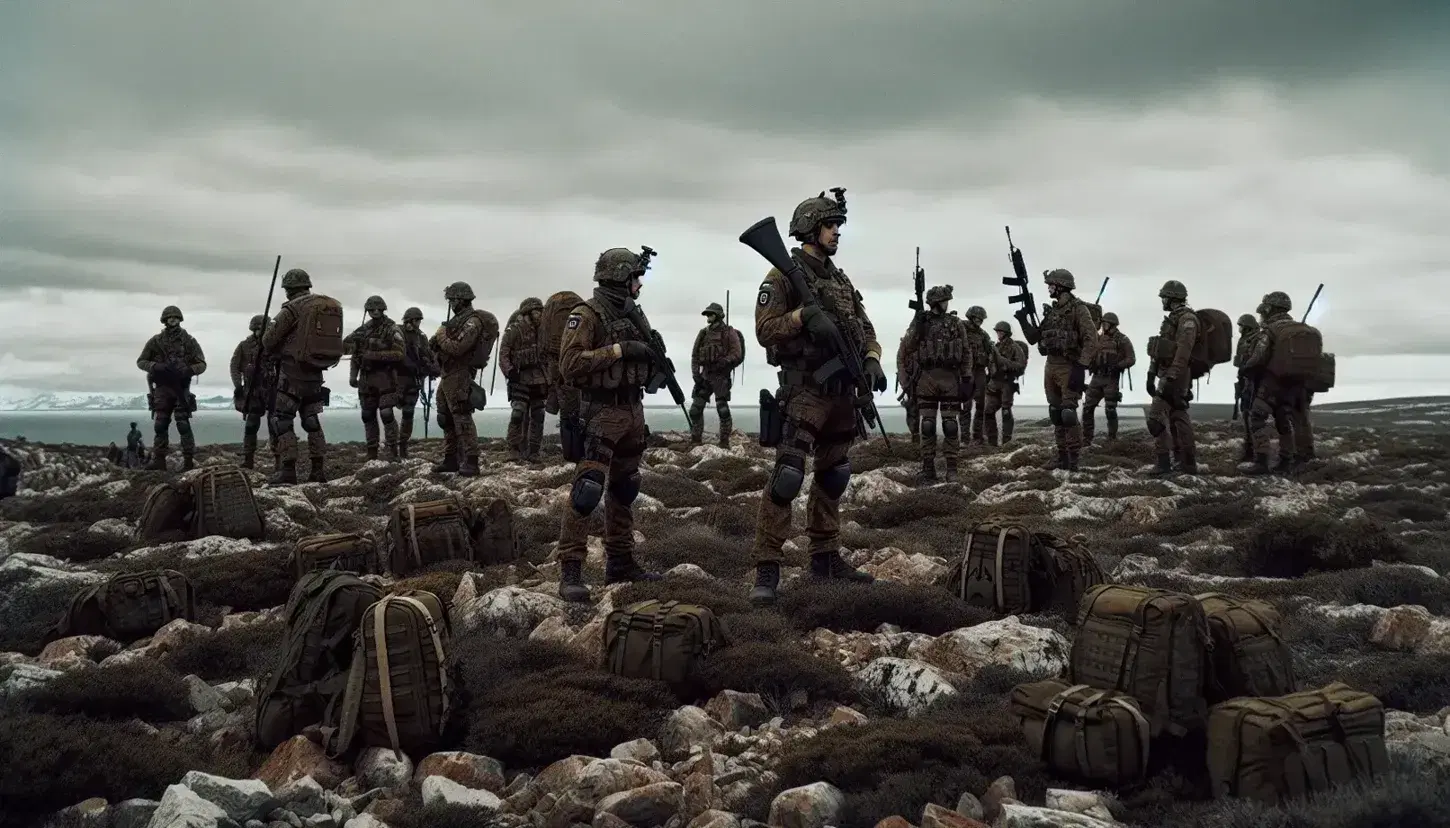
column 1248, row 658
column 343, row 551
column 495, row 537
column 167, row 512
column 1296, row 353
column 1215, row 343
column 1009, row 569
column 1323, row 378
column 663, row 640
column 1093, row 735
column 225, row 505
column 1070, row 570
column 128, row 606
column 420, row 534
column 317, row 340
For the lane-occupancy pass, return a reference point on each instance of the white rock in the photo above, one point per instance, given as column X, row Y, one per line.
column 904, row 684
column 1015, row 815
column 204, row 698
column 24, row 677
column 1087, row 803
column 183, row 808
column 1005, row 641
column 241, row 799
column 378, row 767
column 443, row 789
column 506, row 612
column 687, row 728
column 810, row 806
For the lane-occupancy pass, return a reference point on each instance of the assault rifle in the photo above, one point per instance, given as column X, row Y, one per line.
column 1027, row 314
column 1312, row 301
column 664, row 373
column 918, row 307
column 1099, row 301
column 257, row 363
column 427, row 404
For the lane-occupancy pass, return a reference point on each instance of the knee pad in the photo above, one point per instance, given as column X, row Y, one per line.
column 519, row 407
column 787, row 478
column 368, row 414
column 387, row 417
column 163, row 422
column 311, row 424
column 587, row 492
column 1054, row 415
column 624, row 490
column 723, row 409
column 1155, row 427
column 950, row 427
column 928, row 426
column 833, row 480
column 1067, row 417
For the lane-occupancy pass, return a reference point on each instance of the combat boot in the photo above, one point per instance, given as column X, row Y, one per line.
column 725, row 440
column 317, row 475
column 249, row 460
column 1247, row 455
column 449, row 464
column 1165, row 465
column 1258, row 466
column 1072, row 461
column 402, row 451
column 469, row 467
column 571, row 582
column 372, row 452
column 767, row 581
column 158, row 460
column 928, row 469
column 286, row 474
column 1063, row 461
column 1286, row 464
column 951, row 468
column 187, row 462
column 393, row 455
column 830, row 566
column 1189, row 464
column 619, row 569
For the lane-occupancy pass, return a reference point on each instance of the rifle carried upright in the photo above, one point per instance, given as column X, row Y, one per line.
column 1027, row 314
column 257, row 363
column 918, row 307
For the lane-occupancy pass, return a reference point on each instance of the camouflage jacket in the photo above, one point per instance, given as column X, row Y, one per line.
column 940, row 340
column 1011, row 360
column 1261, row 347
column 244, row 359
column 591, row 354
column 1115, row 353
column 778, row 325
column 718, row 350
column 520, row 356
column 465, row 342
column 979, row 345
column 172, row 357
column 1177, row 335
column 1068, row 332
column 418, row 359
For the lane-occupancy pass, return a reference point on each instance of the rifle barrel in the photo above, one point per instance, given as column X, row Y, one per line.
column 266, row 317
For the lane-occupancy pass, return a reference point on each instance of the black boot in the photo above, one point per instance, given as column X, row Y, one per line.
column 571, row 582
column 767, row 581
column 830, row 566
column 1259, row 465
column 1189, row 464
column 1165, row 465
column 372, row 452
column 469, row 467
column 1072, row 461
column 187, row 462
column 619, row 569
column 1247, row 455
column 928, row 469
column 158, row 459
column 402, row 451
column 1063, row 461
column 317, row 475
column 286, row 475
column 449, row 464
column 249, row 460
column 393, row 454
column 1286, row 464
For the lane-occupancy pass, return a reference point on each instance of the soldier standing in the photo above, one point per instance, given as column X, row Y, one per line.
column 719, row 350
column 820, row 420
column 170, row 359
column 251, row 402
column 135, row 447
column 463, row 344
column 1069, row 340
column 1115, row 355
column 522, row 360
column 1008, row 367
column 1275, row 397
column 418, row 366
column 981, row 354
column 605, row 353
column 303, row 341
column 1244, row 386
column 1168, row 418
column 944, row 355
column 906, row 369
column 378, row 356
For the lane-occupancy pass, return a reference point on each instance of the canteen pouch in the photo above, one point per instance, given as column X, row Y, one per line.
column 571, row 438
column 772, row 420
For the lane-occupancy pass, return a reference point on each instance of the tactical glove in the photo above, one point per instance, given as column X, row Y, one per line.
column 635, row 350
column 1077, row 379
column 874, row 374
column 354, row 382
column 1169, row 374
column 817, row 323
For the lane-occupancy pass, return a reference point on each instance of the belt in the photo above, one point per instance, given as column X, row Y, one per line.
column 806, row 379
column 615, row 396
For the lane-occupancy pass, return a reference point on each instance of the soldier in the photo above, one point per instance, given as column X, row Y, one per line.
column 522, row 361
column 719, row 349
column 1168, row 418
column 419, row 365
column 1244, row 387
column 1115, row 355
column 944, row 356
column 1069, row 340
column 1007, row 368
column 906, row 369
column 605, row 353
column 378, row 356
column 135, row 447
column 251, row 405
column 306, row 321
column 982, row 356
column 463, row 345
column 170, row 359
column 820, row 421
column 1274, row 397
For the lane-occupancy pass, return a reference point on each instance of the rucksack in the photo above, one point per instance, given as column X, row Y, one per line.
column 1247, row 659
column 662, row 640
column 1296, row 352
column 1081, row 731
column 1149, row 643
column 1214, row 344
column 1071, row 570
column 1323, row 379
column 995, row 569
column 343, row 551
column 1097, row 313
column 397, row 685
column 317, row 339
column 551, row 324
column 495, row 539
column 323, row 612
column 129, row 606
column 1286, row 747
column 167, row 511
column 225, row 505
column 482, row 346
column 425, row 533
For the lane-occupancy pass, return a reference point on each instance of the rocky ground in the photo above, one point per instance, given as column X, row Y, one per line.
column 845, row 706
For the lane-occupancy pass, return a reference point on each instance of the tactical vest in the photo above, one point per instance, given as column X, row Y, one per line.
column 836, row 296
column 1059, row 331
column 415, row 344
column 616, row 329
column 1246, row 344
column 1011, row 351
column 1165, row 346
column 943, row 343
column 713, row 347
column 248, row 349
column 476, row 356
column 525, row 352
column 377, row 338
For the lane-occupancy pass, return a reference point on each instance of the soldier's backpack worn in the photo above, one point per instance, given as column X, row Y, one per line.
column 995, row 570
column 166, row 512
column 1296, row 353
column 551, row 324
column 663, row 640
column 225, row 505
column 343, row 551
column 1215, row 343
column 1284, row 747
column 1070, row 570
column 1097, row 313
column 128, row 606
column 495, row 539
column 318, row 339
column 1080, row 731
column 1149, row 643
column 397, row 686
column 1248, row 659
column 323, row 612
column 426, row 533
column 1323, row 379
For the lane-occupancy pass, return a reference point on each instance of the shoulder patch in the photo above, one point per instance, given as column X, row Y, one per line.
column 766, row 292
column 574, row 321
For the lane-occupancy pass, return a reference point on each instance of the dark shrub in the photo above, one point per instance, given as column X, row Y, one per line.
column 256, row 579
column 676, row 491
column 914, row 505
column 1294, row 545
column 86, row 505
column 844, row 607
column 733, row 518
column 30, row 607
column 441, row 579
column 761, row 625
column 1393, row 586
column 1195, row 511
column 239, row 652
column 72, row 542
column 143, row 689
column 1402, row 681
column 730, row 475
column 775, row 671
column 678, row 542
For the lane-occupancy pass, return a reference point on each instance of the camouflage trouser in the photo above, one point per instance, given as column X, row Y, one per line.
column 1103, row 389
column 562, row 400
column 1303, row 429
column 1062, row 405
column 1169, row 421
column 526, row 417
column 975, row 407
column 614, row 441
column 299, row 397
column 1000, row 393
column 939, row 389
column 455, row 415
column 818, row 426
column 252, row 418
column 706, row 386
column 168, row 403
column 1278, row 403
column 913, row 416
column 377, row 402
column 407, row 405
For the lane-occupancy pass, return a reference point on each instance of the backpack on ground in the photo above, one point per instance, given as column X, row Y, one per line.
column 129, row 606
column 996, row 568
column 1296, row 352
column 323, row 612
column 663, row 640
column 317, row 339
column 167, row 511
column 1215, row 343
column 1149, row 643
column 1323, row 378
column 495, row 538
column 1247, row 659
column 343, row 551
column 1285, row 747
column 420, row 534
column 1071, row 570
column 397, row 685
column 1076, row 730
column 225, row 505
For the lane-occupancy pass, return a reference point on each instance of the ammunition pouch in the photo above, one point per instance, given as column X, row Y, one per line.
column 150, row 402
column 1162, row 349
column 477, row 397
column 190, row 403
column 1055, row 341
column 772, row 420
column 571, row 438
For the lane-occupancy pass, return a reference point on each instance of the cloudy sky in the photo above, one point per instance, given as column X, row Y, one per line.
column 165, row 152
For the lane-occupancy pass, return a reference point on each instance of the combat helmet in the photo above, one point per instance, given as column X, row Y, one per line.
column 1060, row 276
column 257, row 322
column 940, row 293
column 618, row 265
column 533, row 303
column 1004, row 326
column 375, row 303
column 170, row 311
column 1248, row 321
column 1278, row 300
column 810, row 214
column 459, row 290
column 1173, row 289
column 413, row 314
column 713, row 307
column 1110, row 318
column 296, row 278
column 977, row 314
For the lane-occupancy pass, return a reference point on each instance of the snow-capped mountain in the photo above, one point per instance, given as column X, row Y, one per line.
column 121, row 402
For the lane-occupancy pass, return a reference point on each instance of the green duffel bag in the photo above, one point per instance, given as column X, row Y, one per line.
column 663, row 640
column 1083, row 732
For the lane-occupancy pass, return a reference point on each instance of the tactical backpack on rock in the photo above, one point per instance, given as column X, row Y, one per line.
column 663, row 640
column 323, row 612
column 1215, row 343
column 225, row 505
column 1323, row 379
column 996, row 568
column 1296, row 353
column 129, row 606
column 426, row 533
column 397, row 686
column 495, row 540
column 317, row 340
column 343, row 551
column 167, row 511
column 1093, row 735
column 1149, row 643
column 1247, row 659
column 1071, row 570
column 1285, row 747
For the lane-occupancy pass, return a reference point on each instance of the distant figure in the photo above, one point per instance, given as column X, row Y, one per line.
column 113, row 454
column 135, row 448
column 9, row 475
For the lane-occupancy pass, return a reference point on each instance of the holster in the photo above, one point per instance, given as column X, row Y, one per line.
column 772, row 420
column 190, row 403
column 150, row 402
column 477, row 397
column 571, row 438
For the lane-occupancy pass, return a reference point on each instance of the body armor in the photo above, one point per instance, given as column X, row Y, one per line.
column 617, row 329
column 835, row 294
column 943, row 343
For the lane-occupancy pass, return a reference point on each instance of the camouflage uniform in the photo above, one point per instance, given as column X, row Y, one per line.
column 906, row 369
column 1007, row 367
column 375, row 370
column 419, row 365
column 821, row 421
column 1168, row 418
column 170, row 359
column 249, row 399
column 1273, row 398
column 945, row 358
column 1069, row 340
column 1244, row 387
column 463, row 346
column 605, row 353
column 299, row 388
column 981, row 354
column 522, row 361
column 718, row 351
column 1115, row 356
column 135, row 447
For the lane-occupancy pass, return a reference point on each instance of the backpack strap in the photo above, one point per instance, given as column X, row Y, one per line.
column 413, row 536
column 1054, row 708
column 432, row 623
column 1143, row 731
column 385, row 678
column 657, row 637
column 997, row 574
column 343, row 708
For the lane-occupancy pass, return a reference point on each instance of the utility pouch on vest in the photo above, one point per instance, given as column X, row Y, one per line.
column 772, row 420
column 571, row 438
column 477, row 397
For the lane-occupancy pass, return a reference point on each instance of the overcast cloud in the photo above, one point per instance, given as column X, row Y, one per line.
column 164, row 152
